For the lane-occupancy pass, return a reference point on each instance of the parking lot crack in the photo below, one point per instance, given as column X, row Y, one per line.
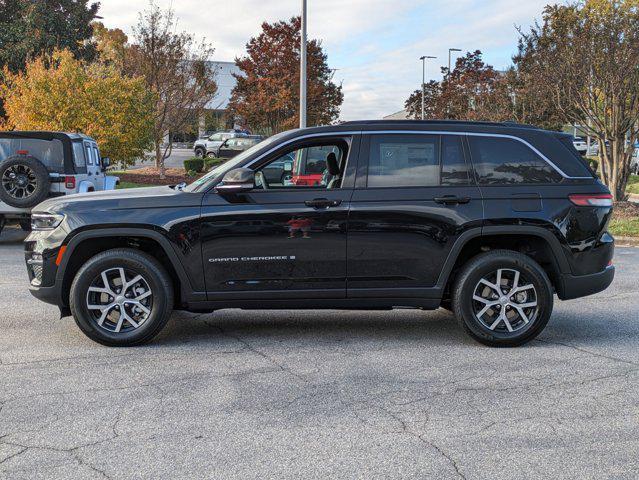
column 589, row 352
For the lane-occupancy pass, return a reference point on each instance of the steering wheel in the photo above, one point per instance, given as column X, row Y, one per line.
column 261, row 179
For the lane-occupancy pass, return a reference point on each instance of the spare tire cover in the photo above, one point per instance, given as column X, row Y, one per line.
column 24, row 181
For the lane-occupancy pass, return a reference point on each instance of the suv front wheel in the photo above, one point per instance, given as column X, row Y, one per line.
column 503, row 298
column 121, row 298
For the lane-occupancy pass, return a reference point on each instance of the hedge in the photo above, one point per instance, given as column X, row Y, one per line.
column 210, row 163
column 194, row 165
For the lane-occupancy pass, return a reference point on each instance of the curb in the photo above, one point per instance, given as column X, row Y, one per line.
column 627, row 241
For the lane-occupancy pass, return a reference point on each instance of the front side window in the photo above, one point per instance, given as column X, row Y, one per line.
column 89, row 154
column 506, row 161
column 216, row 137
column 404, row 161
column 96, row 156
column 318, row 167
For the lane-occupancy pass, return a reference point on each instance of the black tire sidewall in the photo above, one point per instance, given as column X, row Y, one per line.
column 153, row 273
column 200, row 153
column 42, row 176
column 486, row 264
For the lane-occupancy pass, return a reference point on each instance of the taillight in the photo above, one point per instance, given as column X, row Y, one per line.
column 69, row 182
column 592, row 200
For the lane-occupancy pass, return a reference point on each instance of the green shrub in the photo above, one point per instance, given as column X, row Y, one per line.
column 210, row 163
column 194, row 164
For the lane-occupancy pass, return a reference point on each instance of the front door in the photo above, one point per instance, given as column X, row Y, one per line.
column 279, row 240
column 413, row 199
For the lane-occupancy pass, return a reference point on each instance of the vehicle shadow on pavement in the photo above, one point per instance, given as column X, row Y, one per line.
column 323, row 326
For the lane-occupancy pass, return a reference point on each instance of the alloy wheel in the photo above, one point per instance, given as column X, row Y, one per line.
column 505, row 301
column 19, row 181
column 119, row 300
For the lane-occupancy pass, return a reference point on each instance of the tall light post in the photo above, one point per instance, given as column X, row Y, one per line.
column 303, row 72
column 423, row 59
column 450, row 51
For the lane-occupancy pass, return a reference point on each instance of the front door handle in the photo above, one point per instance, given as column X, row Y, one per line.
column 322, row 203
column 452, row 200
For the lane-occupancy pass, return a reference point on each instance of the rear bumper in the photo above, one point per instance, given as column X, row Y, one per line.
column 584, row 285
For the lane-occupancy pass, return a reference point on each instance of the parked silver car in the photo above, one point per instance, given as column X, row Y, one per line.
column 204, row 146
column 35, row 166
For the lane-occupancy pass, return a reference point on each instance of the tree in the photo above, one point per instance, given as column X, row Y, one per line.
column 175, row 68
column 111, row 45
column 30, row 28
column 62, row 93
column 585, row 57
column 267, row 92
column 471, row 91
column 433, row 92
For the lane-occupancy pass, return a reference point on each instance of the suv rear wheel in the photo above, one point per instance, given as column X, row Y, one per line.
column 503, row 298
column 121, row 297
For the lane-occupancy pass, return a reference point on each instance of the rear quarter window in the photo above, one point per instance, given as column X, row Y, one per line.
column 506, row 161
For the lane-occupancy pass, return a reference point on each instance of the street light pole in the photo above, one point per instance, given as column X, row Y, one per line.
column 450, row 50
column 303, row 72
column 423, row 59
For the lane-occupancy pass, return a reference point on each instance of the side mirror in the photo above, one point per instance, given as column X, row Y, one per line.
column 237, row 180
column 106, row 162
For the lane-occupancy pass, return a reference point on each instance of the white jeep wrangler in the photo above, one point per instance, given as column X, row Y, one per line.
column 35, row 166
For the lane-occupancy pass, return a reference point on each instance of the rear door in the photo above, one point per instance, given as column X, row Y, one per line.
column 413, row 200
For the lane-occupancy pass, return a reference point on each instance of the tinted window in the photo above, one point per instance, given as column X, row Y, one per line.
column 403, row 161
column 504, row 161
column 454, row 168
column 96, row 156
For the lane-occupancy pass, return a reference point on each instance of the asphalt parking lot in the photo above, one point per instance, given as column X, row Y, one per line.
column 285, row 394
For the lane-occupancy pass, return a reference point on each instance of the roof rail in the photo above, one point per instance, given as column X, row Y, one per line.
column 438, row 122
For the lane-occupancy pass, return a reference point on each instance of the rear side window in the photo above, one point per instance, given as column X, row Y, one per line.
column 78, row 155
column 454, row 168
column 505, row 161
column 404, row 161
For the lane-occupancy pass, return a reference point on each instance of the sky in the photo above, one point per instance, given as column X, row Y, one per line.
column 375, row 45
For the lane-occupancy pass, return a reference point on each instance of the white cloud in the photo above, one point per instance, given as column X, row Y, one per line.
column 374, row 43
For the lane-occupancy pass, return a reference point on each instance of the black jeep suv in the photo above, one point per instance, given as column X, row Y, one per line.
column 489, row 220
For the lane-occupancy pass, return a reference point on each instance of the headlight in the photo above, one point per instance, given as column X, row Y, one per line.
column 45, row 221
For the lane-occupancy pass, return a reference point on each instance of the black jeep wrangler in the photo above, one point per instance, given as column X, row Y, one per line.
column 489, row 220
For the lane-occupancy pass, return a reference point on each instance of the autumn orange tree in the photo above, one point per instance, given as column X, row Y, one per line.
column 58, row 92
column 266, row 96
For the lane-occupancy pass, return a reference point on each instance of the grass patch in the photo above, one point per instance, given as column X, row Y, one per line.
column 633, row 184
column 124, row 185
column 625, row 227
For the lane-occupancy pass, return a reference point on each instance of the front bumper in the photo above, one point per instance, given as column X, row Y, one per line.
column 574, row 286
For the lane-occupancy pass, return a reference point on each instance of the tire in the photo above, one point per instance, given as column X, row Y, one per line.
column 200, row 153
column 25, row 224
column 134, row 263
column 493, row 327
column 24, row 181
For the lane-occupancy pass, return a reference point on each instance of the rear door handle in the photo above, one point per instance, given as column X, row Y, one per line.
column 322, row 203
column 452, row 200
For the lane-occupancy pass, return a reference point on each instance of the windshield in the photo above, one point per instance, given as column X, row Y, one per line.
column 202, row 183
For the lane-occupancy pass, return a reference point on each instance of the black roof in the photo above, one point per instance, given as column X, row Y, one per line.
column 44, row 135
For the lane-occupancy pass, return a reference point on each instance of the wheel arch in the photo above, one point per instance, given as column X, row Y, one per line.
column 86, row 244
column 538, row 243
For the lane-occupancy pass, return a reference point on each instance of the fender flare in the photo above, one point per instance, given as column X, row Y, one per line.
column 85, row 185
column 164, row 243
column 462, row 241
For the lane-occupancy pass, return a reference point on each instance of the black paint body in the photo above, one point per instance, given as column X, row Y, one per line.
column 373, row 248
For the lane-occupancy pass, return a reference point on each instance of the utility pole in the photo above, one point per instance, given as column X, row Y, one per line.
column 423, row 59
column 303, row 69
